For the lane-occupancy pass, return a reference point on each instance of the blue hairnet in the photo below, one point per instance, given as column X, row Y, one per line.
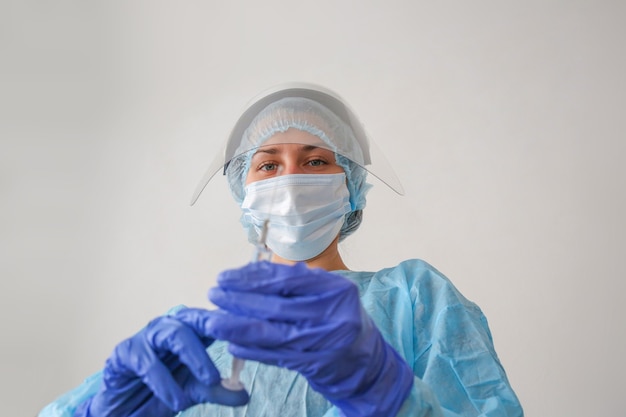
column 314, row 118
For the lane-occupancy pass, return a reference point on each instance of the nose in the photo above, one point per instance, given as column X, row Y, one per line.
column 289, row 168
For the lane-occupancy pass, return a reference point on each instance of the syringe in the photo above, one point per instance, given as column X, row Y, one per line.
column 262, row 253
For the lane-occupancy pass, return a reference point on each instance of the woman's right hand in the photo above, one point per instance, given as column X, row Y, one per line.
column 161, row 370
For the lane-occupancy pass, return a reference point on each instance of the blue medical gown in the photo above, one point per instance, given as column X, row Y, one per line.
column 442, row 336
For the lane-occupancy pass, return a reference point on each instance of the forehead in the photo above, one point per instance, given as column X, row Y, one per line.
column 292, row 152
column 296, row 136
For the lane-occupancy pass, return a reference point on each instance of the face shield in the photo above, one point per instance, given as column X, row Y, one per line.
column 309, row 108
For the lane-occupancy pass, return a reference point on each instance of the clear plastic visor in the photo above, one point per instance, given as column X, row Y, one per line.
column 300, row 115
column 375, row 163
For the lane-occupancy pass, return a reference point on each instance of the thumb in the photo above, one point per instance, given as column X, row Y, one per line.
column 200, row 393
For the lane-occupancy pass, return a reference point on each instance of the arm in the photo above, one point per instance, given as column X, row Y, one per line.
column 311, row 321
column 453, row 354
column 161, row 370
column 462, row 367
column 444, row 337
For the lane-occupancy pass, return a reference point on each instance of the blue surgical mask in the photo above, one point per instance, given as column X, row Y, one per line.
column 305, row 212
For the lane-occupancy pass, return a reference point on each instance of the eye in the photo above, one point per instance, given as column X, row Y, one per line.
column 316, row 162
column 268, row 166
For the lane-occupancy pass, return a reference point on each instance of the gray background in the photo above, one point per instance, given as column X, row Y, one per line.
column 504, row 120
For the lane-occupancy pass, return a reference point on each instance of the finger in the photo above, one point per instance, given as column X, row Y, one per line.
column 135, row 356
column 257, row 333
column 287, row 280
column 330, row 305
column 178, row 335
column 121, row 387
column 195, row 318
column 152, row 407
column 200, row 393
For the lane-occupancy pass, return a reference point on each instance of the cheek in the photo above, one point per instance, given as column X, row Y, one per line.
column 254, row 176
column 338, row 169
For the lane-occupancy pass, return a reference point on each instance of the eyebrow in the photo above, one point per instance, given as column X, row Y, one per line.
column 273, row 150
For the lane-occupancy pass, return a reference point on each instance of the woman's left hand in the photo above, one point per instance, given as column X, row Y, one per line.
column 311, row 321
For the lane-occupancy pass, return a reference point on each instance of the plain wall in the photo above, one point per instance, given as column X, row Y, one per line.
column 504, row 121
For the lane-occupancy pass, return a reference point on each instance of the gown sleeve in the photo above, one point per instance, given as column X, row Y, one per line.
column 66, row 405
column 457, row 371
column 466, row 380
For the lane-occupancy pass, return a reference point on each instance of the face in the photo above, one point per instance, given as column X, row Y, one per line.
column 292, row 152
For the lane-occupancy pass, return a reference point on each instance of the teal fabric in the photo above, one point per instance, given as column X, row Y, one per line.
column 442, row 335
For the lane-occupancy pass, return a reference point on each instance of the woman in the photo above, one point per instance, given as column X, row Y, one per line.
column 320, row 340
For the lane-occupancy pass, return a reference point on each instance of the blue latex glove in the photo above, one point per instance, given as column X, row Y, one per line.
column 311, row 321
column 160, row 371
